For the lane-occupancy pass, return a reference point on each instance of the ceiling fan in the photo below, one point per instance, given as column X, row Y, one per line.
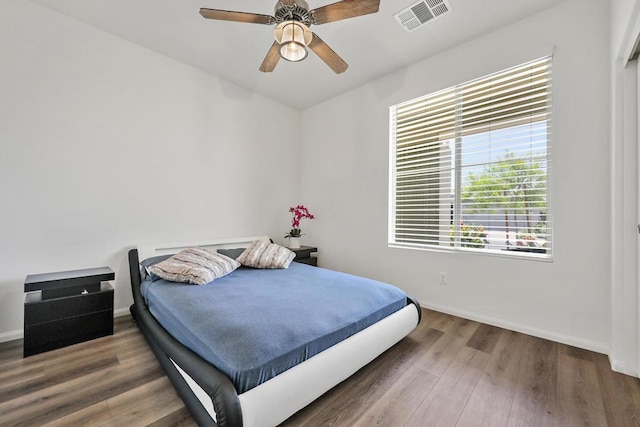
column 292, row 33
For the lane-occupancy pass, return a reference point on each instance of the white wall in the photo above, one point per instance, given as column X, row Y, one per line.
column 345, row 156
column 622, row 12
column 104, row 145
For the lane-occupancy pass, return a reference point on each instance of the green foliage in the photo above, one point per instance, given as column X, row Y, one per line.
column 540, row 229
column 471, row 236
column 511, row 185
column 295, row 232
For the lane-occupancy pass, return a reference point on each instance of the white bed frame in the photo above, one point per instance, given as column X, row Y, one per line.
column 272, row 402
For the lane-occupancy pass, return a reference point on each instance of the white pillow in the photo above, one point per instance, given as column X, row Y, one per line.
column 262, row 254
column 194, row 265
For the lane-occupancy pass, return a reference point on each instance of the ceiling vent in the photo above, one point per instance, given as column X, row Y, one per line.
column 420, row 13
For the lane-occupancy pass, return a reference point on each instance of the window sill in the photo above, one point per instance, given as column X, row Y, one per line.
column 519, row 253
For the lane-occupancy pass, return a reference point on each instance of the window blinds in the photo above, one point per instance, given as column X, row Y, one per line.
column 469, row 164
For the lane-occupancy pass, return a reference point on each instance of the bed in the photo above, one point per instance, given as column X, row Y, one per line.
column 214, row 393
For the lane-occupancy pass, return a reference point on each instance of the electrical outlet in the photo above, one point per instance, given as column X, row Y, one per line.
column 443, row 278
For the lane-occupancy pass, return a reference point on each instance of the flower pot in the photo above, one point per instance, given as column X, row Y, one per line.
column 294, row 242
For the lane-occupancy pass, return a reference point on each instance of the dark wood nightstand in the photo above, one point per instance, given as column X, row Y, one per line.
column 303, row 255
column 66, row 308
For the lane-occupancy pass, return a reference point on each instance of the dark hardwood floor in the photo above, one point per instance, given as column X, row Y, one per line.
column 448, row 372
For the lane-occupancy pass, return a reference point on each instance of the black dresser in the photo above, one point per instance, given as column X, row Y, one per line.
column 66, row 308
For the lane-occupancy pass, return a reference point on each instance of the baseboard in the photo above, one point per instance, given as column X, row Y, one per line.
column 19, row 334
column 620, row 367
column 11, row 335
column 576, row 342
column 121, row 312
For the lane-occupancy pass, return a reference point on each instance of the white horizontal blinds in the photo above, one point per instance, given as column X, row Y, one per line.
column 504, row 145
column 491, row 133
column 423, row 168
column 512, row 97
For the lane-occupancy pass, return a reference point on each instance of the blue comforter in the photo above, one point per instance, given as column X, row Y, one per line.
column 255, row 324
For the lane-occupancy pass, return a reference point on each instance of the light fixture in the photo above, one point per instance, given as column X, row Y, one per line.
column 294, row 37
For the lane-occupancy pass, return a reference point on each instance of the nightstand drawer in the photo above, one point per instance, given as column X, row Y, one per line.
column 311, row 261
column 38, row 311
column 51, row 335
column 303, row 255
column 304, row 252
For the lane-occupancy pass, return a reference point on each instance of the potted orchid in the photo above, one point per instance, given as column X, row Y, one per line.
column 298, row 213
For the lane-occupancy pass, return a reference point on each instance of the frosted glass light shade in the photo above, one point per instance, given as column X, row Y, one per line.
column 294, row 37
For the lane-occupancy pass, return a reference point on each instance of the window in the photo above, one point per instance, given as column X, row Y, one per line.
column 470, row 165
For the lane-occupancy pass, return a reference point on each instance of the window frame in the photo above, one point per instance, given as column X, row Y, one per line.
column 456, row 210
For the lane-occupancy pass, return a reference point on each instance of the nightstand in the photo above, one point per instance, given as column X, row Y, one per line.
column 303, row 255
column 66, row 308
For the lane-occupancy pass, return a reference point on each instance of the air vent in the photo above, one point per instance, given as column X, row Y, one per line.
column 420, row 13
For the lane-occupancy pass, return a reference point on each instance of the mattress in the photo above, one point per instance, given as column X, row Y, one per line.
column 255, row 324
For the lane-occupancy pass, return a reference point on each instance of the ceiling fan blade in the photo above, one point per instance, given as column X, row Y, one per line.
column 344, row 9
column 328, row 55
column 226, row 15
column 271, row 60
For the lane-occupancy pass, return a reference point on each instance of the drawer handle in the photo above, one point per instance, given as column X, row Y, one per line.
column 84, row 292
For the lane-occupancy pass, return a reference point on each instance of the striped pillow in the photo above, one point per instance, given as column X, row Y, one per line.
column 262, row 254
column 194, row 265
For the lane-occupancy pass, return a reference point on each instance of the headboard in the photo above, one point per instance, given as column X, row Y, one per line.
column 149, row 250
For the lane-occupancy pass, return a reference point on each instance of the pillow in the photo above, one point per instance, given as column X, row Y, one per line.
column 145, row 274
column 232, row 253
column 194, row 265
column 262, row 254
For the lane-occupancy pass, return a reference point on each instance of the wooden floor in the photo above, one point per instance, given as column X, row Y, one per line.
column 448, row 372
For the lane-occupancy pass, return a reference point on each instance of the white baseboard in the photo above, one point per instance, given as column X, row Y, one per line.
column 19, row 334
column 11, row 335
column 564, row 339
column 620, row 367
column 121, row 312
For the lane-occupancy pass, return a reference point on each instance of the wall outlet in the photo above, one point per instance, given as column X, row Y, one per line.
column 443, row 278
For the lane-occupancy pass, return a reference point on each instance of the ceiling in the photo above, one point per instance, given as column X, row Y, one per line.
column 373, row 45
